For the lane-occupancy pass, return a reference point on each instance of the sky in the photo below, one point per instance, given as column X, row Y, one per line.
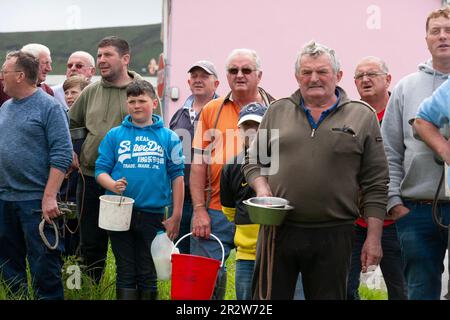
column 32, row 15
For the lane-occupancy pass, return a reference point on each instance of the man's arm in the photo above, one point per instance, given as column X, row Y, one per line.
column 373, row 179
column 432, row 114
column 432, row 137
column 201, row 222
column 252, row 167
column 393, row 139
column 371, row 252
column 60, row 154
column 172, row 224
column 49, row 204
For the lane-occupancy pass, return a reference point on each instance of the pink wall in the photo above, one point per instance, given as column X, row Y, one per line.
column 210, row 29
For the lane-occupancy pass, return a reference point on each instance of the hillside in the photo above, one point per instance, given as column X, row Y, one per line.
column 144, row 41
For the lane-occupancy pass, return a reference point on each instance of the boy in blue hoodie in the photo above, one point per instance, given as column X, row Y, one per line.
column 142, row 160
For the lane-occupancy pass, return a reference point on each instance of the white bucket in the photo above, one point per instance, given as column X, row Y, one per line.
column 113, row 217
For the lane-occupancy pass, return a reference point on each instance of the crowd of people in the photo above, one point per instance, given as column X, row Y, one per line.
column 360, row 182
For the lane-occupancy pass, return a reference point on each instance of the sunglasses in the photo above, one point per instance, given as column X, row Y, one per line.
column 245, row 71
column 77, row 65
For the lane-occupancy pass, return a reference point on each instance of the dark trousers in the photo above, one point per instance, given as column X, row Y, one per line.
column 93, row 240
column 391, row 264
column 20, row 240
column 135, row 267
column 322, row 255
column 185, row 226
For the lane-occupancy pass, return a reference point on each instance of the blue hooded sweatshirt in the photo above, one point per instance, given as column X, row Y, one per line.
column 150, row 158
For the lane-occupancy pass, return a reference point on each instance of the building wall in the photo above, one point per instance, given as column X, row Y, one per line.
column 211, row 29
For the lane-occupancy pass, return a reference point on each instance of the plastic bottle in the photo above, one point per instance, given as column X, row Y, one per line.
column 161, row 250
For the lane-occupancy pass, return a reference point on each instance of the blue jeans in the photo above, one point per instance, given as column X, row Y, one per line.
column 134, row 263
column 243, row 281
column 391, row 264
column 20, row 239
column 222, row 229
column 423, row 245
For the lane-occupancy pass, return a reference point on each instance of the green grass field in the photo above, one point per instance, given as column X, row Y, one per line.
column 105, row 290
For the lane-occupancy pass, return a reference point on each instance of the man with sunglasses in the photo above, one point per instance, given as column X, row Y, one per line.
column 324, row 148
column 79, row 63
column 216, row 140
column 372, row 80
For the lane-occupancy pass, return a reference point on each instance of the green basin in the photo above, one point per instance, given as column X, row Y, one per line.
column 270, row 211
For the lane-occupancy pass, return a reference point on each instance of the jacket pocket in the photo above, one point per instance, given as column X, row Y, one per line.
column 345, row 141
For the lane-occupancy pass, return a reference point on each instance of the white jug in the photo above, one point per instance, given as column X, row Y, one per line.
column 161, row 250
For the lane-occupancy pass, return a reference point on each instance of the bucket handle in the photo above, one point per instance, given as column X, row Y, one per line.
column 190, row 233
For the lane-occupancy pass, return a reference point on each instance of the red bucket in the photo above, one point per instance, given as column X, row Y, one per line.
column 194, row 277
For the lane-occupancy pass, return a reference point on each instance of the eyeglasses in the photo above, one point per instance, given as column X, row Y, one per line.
column 235, row 71
column 2, row 72
column 77, row 65
column 370, row 75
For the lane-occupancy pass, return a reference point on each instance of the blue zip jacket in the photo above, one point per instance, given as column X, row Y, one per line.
column 150, row 158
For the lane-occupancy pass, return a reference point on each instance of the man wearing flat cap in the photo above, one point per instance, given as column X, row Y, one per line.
column 203, row 83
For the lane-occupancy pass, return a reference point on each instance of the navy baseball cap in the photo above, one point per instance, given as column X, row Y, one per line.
column 253, row 111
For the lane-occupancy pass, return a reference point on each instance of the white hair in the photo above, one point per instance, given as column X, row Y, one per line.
column 35, row 49
column 383, row 66
column 87, row 55
column 314, row 49
column 245, row 52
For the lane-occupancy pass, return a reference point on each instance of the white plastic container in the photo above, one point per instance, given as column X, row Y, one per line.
column 112, row 216
column 161, row 250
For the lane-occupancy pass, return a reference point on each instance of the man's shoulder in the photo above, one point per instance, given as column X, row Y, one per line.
column 410, row 81
column 215, row 104
column 211, row 109
column 93, row 86
column 359, row 104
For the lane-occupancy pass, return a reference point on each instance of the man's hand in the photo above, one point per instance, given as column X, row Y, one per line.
column 261, row 187
column 201, row 223
column 75, row 164
column 398, row 212
column 371, row 253
column 50, row 208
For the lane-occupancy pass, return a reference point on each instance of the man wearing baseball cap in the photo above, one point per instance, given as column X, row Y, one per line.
column 203, row 84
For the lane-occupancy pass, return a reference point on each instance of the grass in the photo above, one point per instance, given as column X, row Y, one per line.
column 106, row 289
column 372, row 294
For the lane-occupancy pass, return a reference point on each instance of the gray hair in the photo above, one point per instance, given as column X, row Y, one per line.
column 383, row 66
column 87, row 55
column 314, row 49
column 27, row 63
column 35, row 49
column 245, row 52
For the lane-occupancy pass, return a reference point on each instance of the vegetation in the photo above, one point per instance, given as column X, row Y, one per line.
column 106, row 289
column 145, row 43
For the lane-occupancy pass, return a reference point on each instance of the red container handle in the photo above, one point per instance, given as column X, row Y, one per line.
column 188, row 234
